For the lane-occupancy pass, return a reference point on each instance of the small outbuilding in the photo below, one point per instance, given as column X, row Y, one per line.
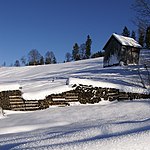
column 121, row 50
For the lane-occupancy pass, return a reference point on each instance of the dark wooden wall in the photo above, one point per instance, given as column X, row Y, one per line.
column 125, row 54
column 113, row 47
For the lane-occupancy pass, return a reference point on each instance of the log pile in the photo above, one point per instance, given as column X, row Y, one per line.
column 16, row 102
column 89, row 94
column 12, row 100
column 4, row 100
column 63, row 99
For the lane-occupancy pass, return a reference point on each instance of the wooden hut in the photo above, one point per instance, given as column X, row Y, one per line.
column 121, row 50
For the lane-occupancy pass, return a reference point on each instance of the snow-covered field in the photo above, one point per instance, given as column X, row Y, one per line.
column 104, row 126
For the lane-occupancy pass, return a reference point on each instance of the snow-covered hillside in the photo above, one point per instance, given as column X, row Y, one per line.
column 39, row 81
column 105, row 126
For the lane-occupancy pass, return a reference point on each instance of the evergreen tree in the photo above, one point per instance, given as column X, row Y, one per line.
column 133, row 35
column 54, row 61
column 75, row 52
column 17, row 63
column 141, row 38
column 126, row 32
column 88, row 47
column 98, row 54
column 147, row 38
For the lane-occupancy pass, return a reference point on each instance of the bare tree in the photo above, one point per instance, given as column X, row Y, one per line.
column 82, row 51
column 142, row 9
column 68, row 57
column 50, row 58
column 34, row 57
column 23, row 60
column 42, row 60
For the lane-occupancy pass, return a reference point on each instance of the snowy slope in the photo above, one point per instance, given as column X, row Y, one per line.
column 39, row 81
column 105, row 126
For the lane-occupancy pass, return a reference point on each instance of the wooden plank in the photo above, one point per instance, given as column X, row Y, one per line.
column 17, row 106
column 13, row 96
column 72, row 100
column 68, row 99
column 58, row 99
column 71, row 97
column 18, row 109
column 111, row 94
column 32, row 108
column 16, row 102
column 31, row 105
column 31, row 102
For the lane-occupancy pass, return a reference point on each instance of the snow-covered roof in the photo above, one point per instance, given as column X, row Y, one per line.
column 127, row 41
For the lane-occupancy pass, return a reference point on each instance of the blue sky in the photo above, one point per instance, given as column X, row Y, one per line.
column 55, row 25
